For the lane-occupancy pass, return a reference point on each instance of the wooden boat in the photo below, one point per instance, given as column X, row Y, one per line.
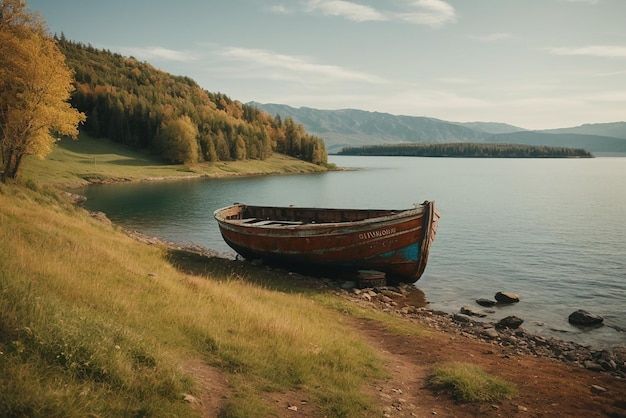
column 396, row 242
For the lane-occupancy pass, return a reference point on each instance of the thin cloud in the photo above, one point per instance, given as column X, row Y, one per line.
column 349, row 10
column 433, row 13
column 159, row 53
column 610, row 51
column 294, row 65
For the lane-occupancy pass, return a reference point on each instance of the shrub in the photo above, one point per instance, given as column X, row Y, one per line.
column 469, row 383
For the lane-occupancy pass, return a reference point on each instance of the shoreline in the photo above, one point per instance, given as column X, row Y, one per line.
column 96, row 181
column 407, row 301
column 511, row 341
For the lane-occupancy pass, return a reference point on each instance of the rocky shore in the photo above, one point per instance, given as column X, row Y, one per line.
column 507, row 337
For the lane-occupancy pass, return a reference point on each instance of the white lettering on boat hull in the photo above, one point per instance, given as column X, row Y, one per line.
column 377, row 234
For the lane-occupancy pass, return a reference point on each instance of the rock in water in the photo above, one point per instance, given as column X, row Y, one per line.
column 466, row 310
column 485, row 302
column 507, row 297
column 582, row 317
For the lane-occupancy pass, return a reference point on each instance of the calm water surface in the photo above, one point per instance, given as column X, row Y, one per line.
column 551, row 230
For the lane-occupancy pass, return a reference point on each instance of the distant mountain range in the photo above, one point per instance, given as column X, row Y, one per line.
column 353, row 128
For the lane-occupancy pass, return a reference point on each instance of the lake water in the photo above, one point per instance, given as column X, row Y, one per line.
column 551, row 230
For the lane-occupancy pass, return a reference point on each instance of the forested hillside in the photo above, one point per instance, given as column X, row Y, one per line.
column 137, row 105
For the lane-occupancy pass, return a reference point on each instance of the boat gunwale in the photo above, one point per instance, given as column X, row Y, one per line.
column 389, row 217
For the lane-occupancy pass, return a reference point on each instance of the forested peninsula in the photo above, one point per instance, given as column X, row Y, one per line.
column 136, row 105
column 467, row 150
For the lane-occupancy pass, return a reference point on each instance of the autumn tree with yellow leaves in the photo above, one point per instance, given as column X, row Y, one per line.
column 177, row 139
column 35, row 86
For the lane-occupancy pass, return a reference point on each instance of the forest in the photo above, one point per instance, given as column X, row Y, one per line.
column 467, row 150
column 139, row 106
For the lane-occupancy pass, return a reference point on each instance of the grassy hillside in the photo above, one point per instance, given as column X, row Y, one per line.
column 95, row 323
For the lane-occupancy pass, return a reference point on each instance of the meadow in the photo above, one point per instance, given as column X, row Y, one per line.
column 89, row 160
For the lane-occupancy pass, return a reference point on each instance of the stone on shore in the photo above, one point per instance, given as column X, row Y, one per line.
column 458, row 317
column 592, row 365
column 507, row 297
column 512, row 322
column 491, row 333
column 466, row 310
column 510, row 341
column 584, row 318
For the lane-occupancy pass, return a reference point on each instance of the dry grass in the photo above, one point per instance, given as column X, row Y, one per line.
column 85, row 308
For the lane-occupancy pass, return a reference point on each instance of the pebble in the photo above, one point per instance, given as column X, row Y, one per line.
column 598, row 389
column 458, row 317
column 591, row 365
column 491, row 333
column 190, row 398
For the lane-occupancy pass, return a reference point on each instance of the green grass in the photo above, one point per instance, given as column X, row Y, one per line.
column 94, row 322
column 75, row 163
column 469, row 383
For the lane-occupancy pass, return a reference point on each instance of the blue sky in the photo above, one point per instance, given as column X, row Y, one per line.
column 536, row 64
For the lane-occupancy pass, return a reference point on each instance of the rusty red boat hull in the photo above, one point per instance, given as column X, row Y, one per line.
column 396, row 242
